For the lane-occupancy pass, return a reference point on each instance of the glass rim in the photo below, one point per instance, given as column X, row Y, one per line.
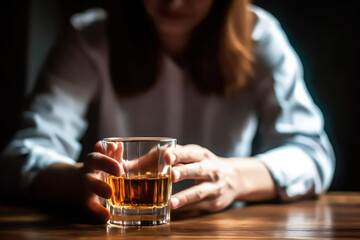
column 138, row 139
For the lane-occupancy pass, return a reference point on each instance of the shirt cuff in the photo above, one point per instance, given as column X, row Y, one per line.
column 292, row 170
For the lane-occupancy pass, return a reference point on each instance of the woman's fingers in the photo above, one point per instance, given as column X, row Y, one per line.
column 195, row 194
column 97, row 161
column 95, row 211
column 147, row 162
column 197, row 170
column 188, row 154
column 115, row 150
column 98, row 186
column 170, row 157
column 99, row 147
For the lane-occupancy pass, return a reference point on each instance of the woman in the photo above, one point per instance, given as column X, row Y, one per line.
column 220, row 76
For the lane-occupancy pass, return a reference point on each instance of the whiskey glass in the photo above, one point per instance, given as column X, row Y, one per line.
column 141, row 194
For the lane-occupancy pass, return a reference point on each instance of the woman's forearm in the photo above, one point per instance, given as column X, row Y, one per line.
column 255, row 181
column 59, row 182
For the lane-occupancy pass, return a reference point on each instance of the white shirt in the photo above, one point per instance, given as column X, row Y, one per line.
column 278, row 110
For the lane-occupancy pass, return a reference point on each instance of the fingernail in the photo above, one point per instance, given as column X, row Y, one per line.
column 172, row 158
column 176, row 174
column 175, row 202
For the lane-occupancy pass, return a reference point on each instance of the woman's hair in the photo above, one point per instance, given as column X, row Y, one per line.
column 217, row 59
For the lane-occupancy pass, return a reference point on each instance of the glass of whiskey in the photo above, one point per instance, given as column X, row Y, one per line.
column 141, row 194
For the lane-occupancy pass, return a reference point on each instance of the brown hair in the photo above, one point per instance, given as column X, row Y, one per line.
column 218, row 58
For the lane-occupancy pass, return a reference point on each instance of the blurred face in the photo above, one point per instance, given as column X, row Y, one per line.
column 177, row 17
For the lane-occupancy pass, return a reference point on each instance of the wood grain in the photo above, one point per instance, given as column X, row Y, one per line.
column 333, row 216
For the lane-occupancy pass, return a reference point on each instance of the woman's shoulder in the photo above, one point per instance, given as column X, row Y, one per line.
column 272, row 46
column 265, row 23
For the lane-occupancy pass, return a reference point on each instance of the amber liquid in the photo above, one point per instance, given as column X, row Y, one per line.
column 144, row 191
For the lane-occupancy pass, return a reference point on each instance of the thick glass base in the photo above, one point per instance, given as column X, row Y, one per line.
column 139, row 217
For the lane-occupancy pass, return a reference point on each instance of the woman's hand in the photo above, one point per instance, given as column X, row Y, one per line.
column 218, row 181
column 78, row 183
column 96, row 163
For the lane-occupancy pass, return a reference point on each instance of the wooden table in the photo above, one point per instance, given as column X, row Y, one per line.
column 334, row 215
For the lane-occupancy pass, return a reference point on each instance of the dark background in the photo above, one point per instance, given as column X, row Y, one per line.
column 325, row 34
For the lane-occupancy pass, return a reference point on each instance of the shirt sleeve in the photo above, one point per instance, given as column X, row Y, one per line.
column 293, row 144
column 54, row 120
